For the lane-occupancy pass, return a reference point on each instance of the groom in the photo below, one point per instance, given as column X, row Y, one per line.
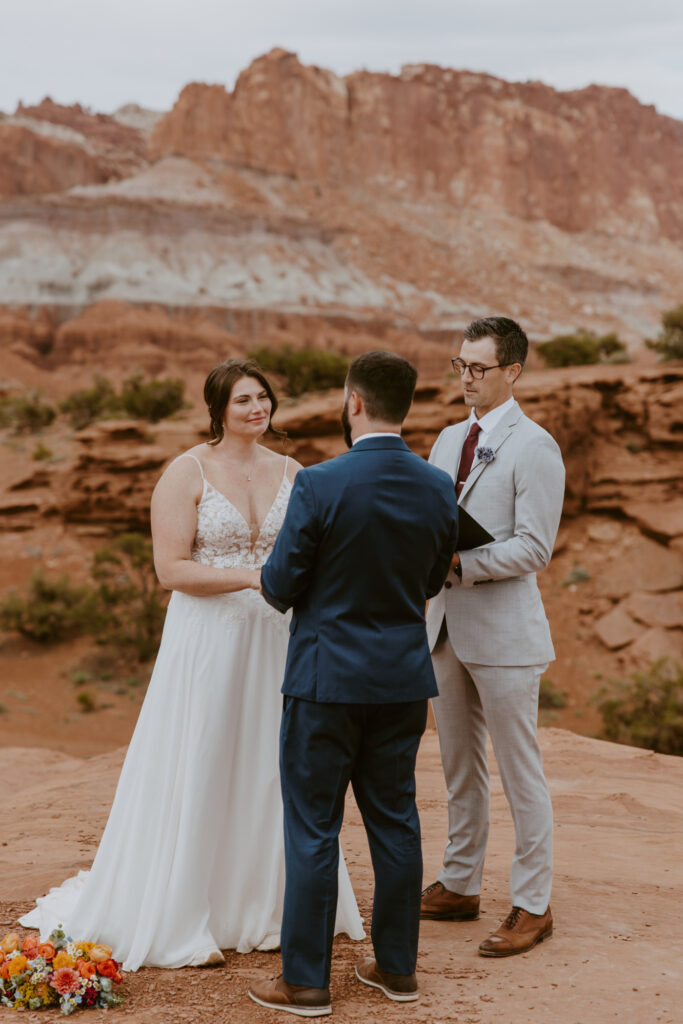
column 368, row 537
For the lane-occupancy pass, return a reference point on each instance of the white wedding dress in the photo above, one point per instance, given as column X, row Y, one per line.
column 192, row 858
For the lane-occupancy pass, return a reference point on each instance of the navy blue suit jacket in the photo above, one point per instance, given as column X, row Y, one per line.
column 367, row 538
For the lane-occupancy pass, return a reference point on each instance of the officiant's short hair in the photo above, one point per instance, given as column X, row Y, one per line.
column 385, row 382
column 510, row 340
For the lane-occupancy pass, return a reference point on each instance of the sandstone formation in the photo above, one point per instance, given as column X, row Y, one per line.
column 31, row 164
column 586, row 160
column 398, row 204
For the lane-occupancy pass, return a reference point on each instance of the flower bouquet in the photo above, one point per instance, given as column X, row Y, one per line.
column 59, row 972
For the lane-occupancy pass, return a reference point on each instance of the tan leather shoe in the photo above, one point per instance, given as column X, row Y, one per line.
column 440, row 904
column 402, row 988
column 519, row 932
column 276, row 994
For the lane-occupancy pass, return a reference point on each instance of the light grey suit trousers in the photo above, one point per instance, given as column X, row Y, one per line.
column 490, row 645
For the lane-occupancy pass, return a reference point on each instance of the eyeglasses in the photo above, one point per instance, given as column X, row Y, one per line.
column 476, row 369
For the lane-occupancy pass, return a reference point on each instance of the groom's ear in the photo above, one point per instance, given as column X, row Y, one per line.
column 355, row 403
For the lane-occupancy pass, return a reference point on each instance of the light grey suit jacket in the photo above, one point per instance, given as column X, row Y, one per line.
column 496, row 616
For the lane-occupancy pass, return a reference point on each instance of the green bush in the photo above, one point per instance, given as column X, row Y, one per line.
column 647, row 711
column 129, row 596
column 582, row 348
column 576, row 575
column 669, row 343
column 41, row 452
column 123, row 610
column 86, row 701
column 142, row 398
column 153, row 399
column 26, row 413
column 550, row 697
column 305, row 369
column 95, row 403
column 51, row 610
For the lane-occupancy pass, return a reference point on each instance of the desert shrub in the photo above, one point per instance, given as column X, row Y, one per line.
column 305, row 369
column 123, row 608
column 550, row 697
column 669, row 342
column 51, row 609
column 26, row 413
column 41, row 452
column 142, row 398
column 86, row 701
column 576, row 575
column 647, row 710
column 153, row 399
column 132, row 611
column 581, row 348
column 89, row 404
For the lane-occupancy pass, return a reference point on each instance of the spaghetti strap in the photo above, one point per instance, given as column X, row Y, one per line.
column 189, row 455
column 286, row 464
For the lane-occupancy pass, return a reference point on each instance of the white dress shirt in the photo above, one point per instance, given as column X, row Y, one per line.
column 380, row 433
column 488, row 422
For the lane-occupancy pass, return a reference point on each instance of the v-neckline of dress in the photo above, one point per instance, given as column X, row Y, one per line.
column 253, row 540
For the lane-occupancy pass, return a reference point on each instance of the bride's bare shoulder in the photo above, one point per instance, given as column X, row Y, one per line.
column 183, row 475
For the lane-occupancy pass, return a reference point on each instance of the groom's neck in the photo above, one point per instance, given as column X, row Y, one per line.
column 363, row 425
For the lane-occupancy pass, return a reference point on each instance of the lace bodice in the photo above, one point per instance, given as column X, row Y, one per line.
column 223, row 536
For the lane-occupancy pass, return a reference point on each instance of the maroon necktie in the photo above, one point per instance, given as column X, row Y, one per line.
column 467, row 457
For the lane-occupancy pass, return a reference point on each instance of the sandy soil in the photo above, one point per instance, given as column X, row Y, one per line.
column 619, row 884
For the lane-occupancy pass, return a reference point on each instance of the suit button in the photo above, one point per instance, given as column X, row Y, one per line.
column 448, row 584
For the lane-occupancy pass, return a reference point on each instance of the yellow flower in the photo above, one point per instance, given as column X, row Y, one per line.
column 86, row 947
column 18, row 964
column 62, row 960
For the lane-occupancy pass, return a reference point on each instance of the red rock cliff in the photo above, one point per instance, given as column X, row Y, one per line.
column 595, row 158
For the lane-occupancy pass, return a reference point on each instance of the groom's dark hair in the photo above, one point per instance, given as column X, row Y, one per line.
column 385, row 382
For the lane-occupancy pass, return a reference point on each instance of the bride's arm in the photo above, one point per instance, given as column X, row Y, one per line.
column 174, row 524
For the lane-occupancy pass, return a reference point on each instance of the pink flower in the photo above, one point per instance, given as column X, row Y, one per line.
column 65, row 980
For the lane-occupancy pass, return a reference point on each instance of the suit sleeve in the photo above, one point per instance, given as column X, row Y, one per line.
column 441, row 567
column 539, row 494
column 287, row 574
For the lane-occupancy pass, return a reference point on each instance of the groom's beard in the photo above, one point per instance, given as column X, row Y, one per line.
column 346, row 426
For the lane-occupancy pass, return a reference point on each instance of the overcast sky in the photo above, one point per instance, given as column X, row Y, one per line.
column 105, row 55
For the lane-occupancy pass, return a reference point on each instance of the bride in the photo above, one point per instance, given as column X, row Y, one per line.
column 192, row 858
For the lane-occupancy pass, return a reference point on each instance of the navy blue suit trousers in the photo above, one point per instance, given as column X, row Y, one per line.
column 323, row 748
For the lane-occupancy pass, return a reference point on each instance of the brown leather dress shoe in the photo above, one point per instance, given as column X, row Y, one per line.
column 402, row 988
column 440, row 904
column 519, row 932
column 276, row 994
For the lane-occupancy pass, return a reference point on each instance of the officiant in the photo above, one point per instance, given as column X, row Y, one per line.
column 490, row 638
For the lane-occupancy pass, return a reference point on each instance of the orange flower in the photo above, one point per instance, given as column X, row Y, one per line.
column 65, row 981
column 86, row 969
column 17, row 965
column 46, row 950
column 30, row 946
column 108, row 968
column 63, row 960
column 4, row 970
column 2, row 957
column 10, row 942
column 99, row 953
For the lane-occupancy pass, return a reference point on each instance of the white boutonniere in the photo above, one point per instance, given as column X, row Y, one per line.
column 485, row 454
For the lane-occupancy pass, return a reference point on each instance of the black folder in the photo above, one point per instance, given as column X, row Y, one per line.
column 471, row 534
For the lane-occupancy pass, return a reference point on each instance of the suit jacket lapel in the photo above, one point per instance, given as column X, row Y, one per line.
column 498, row 435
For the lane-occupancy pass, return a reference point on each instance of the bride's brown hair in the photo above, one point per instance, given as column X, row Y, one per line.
column 218, row 388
